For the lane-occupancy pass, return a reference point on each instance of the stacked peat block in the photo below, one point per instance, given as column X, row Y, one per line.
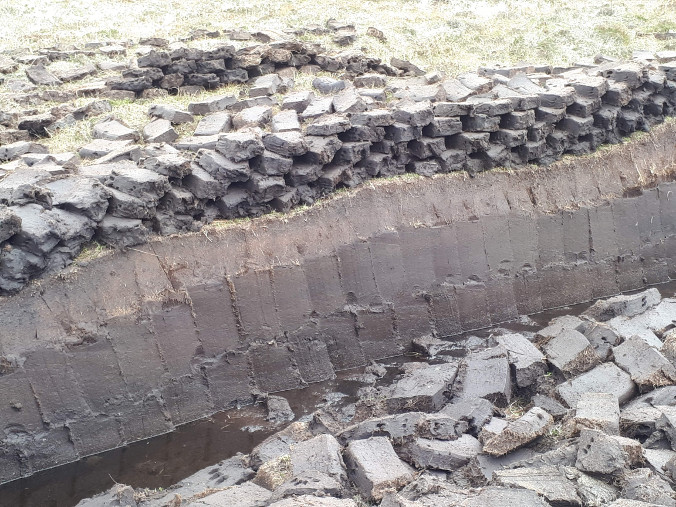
column 578, row 110
column 190, row 69
column 46, row 212
column 254, row 155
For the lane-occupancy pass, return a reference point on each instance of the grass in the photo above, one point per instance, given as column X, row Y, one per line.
column 92, row 251
column 516, row 408
column 556, row 432
column 453, row 36
column 134, row 113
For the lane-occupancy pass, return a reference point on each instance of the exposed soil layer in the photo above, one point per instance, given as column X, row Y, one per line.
column 138, row 342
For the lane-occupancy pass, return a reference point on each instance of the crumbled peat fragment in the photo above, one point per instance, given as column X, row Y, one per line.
column 533, row 424
column 374, row 467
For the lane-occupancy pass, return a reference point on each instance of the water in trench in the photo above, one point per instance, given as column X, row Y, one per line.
column 162, row 461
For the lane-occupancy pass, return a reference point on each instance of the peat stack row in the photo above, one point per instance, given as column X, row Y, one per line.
column 265, row 153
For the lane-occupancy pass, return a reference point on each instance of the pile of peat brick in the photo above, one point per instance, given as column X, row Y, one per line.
column 277, row 148
column 579, row 413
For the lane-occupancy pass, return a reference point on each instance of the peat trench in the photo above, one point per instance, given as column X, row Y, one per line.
column 101, row 353
column 573, row 406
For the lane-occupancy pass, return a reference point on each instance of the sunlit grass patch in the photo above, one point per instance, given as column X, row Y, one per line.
column 451, row 36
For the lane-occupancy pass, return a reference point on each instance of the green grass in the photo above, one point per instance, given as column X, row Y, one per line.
column 92, row 251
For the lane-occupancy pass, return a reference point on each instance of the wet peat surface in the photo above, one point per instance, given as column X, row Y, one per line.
column 162, row 461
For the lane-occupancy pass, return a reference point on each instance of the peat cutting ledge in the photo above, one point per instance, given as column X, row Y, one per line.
column 133, row 343
column 140, row 341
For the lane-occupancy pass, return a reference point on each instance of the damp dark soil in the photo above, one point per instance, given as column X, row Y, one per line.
column 162, row 461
